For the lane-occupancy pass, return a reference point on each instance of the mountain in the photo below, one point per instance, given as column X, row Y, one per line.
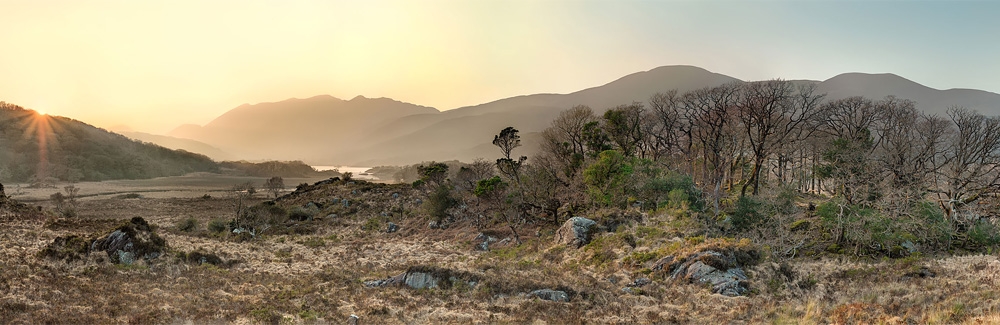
column 306, row 129
column 180, row 144
column 34, row 147
column 927, row 99
column 364, row 132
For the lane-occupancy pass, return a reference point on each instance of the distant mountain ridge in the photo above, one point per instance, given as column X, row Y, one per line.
column 330, row 131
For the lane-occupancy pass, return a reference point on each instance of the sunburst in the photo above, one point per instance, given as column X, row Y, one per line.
column 40, row 127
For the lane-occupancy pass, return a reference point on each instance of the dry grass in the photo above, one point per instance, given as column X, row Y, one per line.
column 317, row 277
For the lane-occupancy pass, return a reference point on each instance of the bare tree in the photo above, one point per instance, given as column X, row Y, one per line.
column 971, row 167
column 275, row 185
column 710, row 110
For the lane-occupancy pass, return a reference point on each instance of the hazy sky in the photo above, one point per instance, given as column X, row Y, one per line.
column 153, row 65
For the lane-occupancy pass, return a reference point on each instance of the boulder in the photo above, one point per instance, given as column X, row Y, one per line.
column 576, row 231
column 715, row 269
column 131, row 241
column 392, row 228
column 433, row 224
column 353, row 320
column 425, row 277
column 551, row 295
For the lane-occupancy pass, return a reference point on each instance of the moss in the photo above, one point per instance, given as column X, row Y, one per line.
column 798, row 225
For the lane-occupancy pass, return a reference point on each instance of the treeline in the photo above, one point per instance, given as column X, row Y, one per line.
column 41, row 149
column 748, row 158
column 290, row 169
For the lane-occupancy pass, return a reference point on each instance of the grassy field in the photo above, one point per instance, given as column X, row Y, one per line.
column 313, row 271
column 187, row 186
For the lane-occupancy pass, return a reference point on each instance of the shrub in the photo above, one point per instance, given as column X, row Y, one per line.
column 439, row 201
column 187, row 225
column 984, row 233
column 750, row 212
column 218, row 225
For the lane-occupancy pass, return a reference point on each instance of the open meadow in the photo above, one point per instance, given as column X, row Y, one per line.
column 324, row 265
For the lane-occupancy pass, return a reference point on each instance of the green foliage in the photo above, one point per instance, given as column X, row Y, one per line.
column 434, row 173
column 489, row 186
column 439, row 201
column 750, row 212
column 984, row 233
column 608, row 178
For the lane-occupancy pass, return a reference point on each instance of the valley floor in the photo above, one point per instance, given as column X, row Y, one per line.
column 317, row 276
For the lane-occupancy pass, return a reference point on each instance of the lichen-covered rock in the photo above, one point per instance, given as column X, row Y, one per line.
column 426, row 277
column 131, row 241
column 576, row 231
column 551, row 295
column 723, row 273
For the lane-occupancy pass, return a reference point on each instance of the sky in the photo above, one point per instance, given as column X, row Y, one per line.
column 154, row 65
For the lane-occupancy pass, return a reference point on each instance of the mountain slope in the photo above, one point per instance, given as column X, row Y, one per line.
column 180, row 144
column 296, row 128
column 927, row 99
column 36, row 146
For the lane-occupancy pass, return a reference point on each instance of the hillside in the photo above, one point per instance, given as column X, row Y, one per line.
column 331, row 131
column 37, row 147
column 296, row 129
column 180, row 144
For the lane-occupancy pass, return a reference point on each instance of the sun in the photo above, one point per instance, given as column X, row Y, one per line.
column 41, row 113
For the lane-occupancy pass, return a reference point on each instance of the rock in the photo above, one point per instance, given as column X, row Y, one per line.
column 484, row 241
column 395, row 195
column 551, row 295
column 353, row 320
column 575, row 232
column 419, row 201
column 433, row 224
column 331, row 216
column 640, row 282
column 424, row 277
column 719, row 271
column 909, row 246
column 421, row 280
column 131, row 241
column 392, row 228
column 663, row 262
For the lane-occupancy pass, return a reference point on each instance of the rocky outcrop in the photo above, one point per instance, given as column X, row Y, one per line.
column 426, row 277
column 551, row 295
column 484, row 241
column 723, row 272
column 125, row 245
column 576, row 231
column 130, row 242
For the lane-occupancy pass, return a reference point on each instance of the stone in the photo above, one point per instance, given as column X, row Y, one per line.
column 909, row 246
column 640, row 282
column 576, row 232
column 131, row 241
column 484, row 241
column 433, row 224
column 715, row 269
column 395, row 195
column 663, row 263
column 392, row 228
column 551, row 295
column 426, row 278
column 353, row 320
